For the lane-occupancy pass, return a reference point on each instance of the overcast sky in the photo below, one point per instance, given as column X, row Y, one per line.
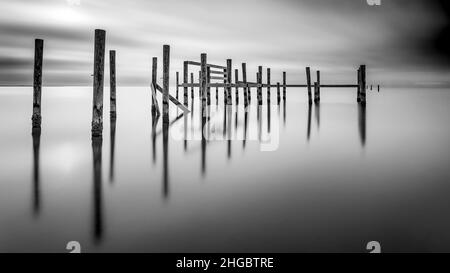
column 395, row 40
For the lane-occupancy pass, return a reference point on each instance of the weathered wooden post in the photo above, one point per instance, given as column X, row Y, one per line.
column 284, row 85
column 99, row 69
column 268, row 86
column 371, row 87
column 37, row 83
column 203, row 80
column 308, row 82
column 112, row 84
column 316, row 93
column 229, row 81
column 185, row 81
column 244, row 80
column 192, row 87
column 318, row 82
column 177, row 83
column 154, row 81
column 358, row 88
column 378, row 88
column 217, row 95
column 166, row 73
column 236, row 79
column 259, row 81
column 278, row 93
column 208, row 88
column 363, row 85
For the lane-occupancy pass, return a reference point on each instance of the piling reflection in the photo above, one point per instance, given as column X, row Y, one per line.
column 36, row 134
column 97, row 189
column 362, row 123
column 155, row 119
column 165, row 131
column 317, row 114
column 308, row 131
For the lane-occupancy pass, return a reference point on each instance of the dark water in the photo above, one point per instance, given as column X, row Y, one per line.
column 328, row 178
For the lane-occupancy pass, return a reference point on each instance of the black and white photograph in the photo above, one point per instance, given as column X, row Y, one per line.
column 224, row 126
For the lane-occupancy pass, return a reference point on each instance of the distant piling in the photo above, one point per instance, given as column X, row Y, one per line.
column 358, row 88
column 192, row 87
column 99, row 69
column 166, row 73
column 244, row 80
column 259, row 90
column 236, row 80
column 37, row 82
column 208, row 88
column 308, row 83
column 316, row 93
column 318, row 82
column 177, row 83
column 268, row 86
column 203, row 82
column 185, row 81
column 154, row 80
column 278, row 93
column 229, row 80
column 112, row 84
column 363, row 85
column 378, row 88
column 284, row 85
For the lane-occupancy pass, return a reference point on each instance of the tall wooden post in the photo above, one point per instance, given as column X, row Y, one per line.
column 208, row 88
column 284, row 85
column 177, row 83
column 203, row 80
column 308, row 82
column 358, row 88
column 318, row 82
column 185, row 81
column 244, row 80
column 363, row 85
column 229, row 81
column 166, row 73
column 37, row 82
column 236, row 79
column 268, row 86
column 259, row 90
column 112, row 84
column 99, row 69
column 154, row 81
column 192, row 87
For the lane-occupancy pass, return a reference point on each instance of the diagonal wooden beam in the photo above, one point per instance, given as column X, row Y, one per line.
column 174, row 100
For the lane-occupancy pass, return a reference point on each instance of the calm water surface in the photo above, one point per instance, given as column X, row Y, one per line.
column 333, row 177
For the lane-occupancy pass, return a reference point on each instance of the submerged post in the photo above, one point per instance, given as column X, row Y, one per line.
column 236, row 79
column 229, row 81
column 37, row 82
column 244, row 80
column 185, row 81
column 112, row 84
column 284, row 85
column 259, row 82
column 363, row 85
column 268, row 86
column 99, row 69
column 166, row 73
column 308, row 82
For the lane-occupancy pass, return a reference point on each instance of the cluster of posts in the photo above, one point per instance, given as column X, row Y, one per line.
column 209, row 74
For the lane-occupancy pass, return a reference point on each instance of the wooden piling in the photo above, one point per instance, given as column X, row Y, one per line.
column 244, row 80
column 112, row 84
column 203, row 80
column 177, row 83
column 185, row 80
column 259, row 89
column 154, row 82
column 236, row 79
column 316, row 93
column 166, row 73
column 284, row 85
column 37, row 82
column 229, row 81
column 363, row 85
column 99, row 69
column 358, row 88
column 278, row 93
column 318, row 82
column 378, row 88
column 268, row 86
column 192, row 87
column 308, row 82
column 208, row 88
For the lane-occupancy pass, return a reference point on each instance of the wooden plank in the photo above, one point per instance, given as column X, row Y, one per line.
column 208, row 65
column 172, row 99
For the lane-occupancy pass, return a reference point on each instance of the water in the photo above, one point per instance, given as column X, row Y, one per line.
column 340, row 176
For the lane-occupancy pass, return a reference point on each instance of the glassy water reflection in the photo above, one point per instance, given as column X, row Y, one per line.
column 291, row 177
